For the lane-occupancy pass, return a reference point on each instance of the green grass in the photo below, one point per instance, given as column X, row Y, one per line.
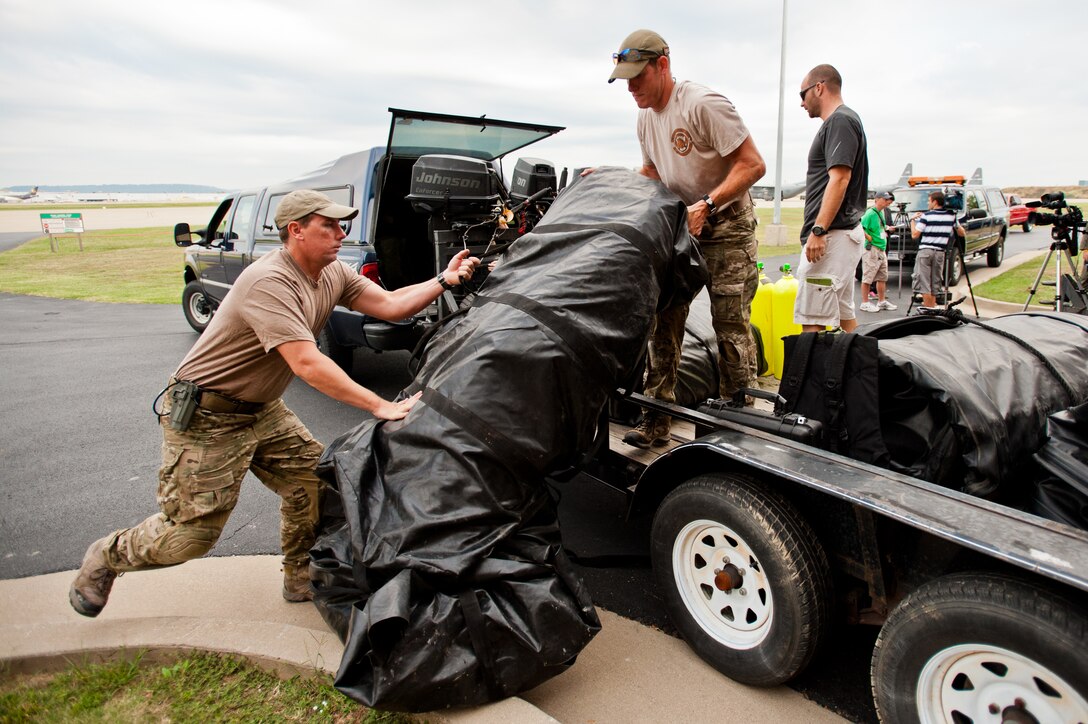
column 196, row 687
column 793, row 219
column 1014, row 285
column 120, row 265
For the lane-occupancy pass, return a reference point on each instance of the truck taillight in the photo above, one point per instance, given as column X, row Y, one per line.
column 370, row 271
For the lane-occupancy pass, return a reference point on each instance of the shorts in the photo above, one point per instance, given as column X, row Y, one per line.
column 928, row 276
column 825, row 289
column 874, row 266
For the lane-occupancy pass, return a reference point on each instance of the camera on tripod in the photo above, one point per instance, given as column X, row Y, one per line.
column 1065, row 225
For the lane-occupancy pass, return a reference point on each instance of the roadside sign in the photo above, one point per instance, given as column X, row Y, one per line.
column 62, row 223
column 56, row 224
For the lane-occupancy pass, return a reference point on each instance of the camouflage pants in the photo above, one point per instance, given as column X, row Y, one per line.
column 731, row 251
column 201, row 477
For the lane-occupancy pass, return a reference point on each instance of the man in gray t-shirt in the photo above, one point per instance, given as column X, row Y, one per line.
column 261, row 337
column 694, row 141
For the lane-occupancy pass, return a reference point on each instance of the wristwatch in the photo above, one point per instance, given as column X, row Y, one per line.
column 818, row 230
column 441, row 278
column 710, row 204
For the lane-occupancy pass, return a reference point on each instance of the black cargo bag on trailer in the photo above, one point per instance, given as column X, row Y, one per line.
column 966, row 406
column 438, row 559
column 832, row 378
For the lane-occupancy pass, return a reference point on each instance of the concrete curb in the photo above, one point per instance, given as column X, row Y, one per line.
column 628, row 673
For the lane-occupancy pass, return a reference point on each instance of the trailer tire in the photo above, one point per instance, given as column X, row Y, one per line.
column 196, row 306
column 968, row 647
column 769, row 625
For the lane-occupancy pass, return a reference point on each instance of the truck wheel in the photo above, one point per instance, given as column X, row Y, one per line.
column 198, row 310
column 744, row 578
column 955, row 268
column 982, row 647
column 338, row 353
column 1026, row 226
column 996, row 253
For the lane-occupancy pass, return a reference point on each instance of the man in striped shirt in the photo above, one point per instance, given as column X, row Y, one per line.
column 934, row 229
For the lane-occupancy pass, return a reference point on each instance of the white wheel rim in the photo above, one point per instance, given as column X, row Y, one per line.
column 197, row 303
column 738, row 619
column 979, row 682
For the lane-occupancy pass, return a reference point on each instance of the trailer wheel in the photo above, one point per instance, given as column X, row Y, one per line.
column 344, row 357
column 982, row 647
column 744, row 578
column 198, row 310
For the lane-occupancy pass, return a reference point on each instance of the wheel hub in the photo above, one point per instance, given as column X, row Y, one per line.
column 728, row 578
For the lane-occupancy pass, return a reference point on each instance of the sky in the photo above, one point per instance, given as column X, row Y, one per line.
column 243, row 93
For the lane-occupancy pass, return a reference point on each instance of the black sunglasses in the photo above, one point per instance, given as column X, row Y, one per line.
column 806, row 90
column 634, row 55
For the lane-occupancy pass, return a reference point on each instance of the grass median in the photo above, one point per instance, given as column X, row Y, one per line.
column 120, row 265
column 144, row 266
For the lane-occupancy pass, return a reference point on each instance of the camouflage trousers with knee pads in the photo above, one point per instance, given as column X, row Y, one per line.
column 201, row 477
column 731, row 252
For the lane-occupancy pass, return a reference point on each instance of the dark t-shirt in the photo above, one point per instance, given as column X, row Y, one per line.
column 839, row 142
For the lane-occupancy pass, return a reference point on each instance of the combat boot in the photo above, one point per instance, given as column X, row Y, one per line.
column 91, row 589
column 296, row 583
column 653, row 430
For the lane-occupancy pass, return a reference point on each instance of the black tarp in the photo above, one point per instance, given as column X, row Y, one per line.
column 439, row 560
column 965, row 405
column 1063, row 494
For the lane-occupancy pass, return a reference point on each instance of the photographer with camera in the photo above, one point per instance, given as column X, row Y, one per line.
column 934, row 229
column 874, row 262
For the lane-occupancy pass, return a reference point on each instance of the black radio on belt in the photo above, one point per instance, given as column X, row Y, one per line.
column 184, row 397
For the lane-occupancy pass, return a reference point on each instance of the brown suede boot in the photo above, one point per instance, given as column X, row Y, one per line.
column 91, row 589
column 653, row 430
column 296, row 583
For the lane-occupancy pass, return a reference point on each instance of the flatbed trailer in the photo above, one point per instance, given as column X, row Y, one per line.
column 758, row 541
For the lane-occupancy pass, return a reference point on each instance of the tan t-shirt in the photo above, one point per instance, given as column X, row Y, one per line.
column 687, row 141
column 272, row 302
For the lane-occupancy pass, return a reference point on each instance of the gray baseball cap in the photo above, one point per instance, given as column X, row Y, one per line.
column 886, row 195
column 299, row 203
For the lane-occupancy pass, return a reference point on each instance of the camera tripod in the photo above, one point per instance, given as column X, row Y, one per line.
column 1062, row 283
column 901, row 224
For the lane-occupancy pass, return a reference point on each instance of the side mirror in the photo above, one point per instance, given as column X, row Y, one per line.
column 976, row 214
column 182, row 235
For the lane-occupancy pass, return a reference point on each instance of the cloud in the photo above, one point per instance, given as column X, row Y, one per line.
column 245, row 93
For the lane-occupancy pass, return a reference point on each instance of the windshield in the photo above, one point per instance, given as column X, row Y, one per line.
column 917, row 199
column 415, row 133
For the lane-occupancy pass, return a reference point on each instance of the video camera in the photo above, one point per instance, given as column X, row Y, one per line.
column 1065, row 225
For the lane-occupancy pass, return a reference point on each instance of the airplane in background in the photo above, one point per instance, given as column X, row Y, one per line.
column 6, row 196
column 766, row 193
column 907, row 171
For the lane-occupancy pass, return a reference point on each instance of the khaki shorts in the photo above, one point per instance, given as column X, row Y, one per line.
column 874, row 266
column 825, row 290
column 928, row 277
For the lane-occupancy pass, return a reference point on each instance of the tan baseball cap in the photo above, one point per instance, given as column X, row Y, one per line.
column 299, row 203
column 646, row 41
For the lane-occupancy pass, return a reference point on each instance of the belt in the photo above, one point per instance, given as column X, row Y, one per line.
column 734, row 211
column 215, row 402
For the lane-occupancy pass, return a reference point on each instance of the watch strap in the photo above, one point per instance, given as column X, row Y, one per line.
column 710, row 203
column 445, row 284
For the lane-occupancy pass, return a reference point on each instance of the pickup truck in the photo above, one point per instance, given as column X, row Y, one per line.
column 982, row 211
column 761, row 544
column 1019, row 214
column 436, row 187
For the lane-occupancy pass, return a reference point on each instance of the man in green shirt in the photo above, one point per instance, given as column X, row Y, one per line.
column 874, row 263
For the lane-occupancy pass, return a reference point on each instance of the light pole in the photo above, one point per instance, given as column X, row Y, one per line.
column 776, row 232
